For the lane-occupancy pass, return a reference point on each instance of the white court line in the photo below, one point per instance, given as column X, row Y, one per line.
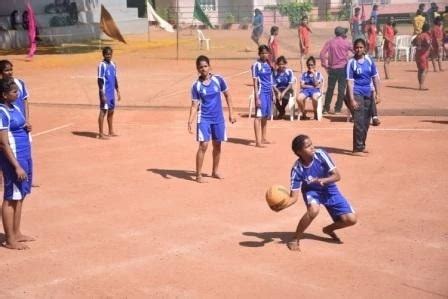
column 52, row 130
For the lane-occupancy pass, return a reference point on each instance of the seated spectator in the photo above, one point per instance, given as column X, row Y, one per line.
column 283, row 85
column 310, row 84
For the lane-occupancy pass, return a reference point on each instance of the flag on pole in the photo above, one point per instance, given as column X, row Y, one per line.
column 153, row 16
column 108, row 25
column 199, row 14
column 31, row 30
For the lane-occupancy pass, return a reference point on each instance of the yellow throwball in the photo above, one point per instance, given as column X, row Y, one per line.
column 277, row 196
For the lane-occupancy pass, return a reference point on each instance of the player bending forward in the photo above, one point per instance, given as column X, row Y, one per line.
column 315, row 174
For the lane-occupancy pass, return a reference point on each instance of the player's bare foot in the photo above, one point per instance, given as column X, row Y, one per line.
column 112, row 135
column 15, row 245
column 259, row 145
column 293, row 245
column 265, row 141
column 25, row 238
column 216, row 175
column 102, row 137
column 332, row 235
column 199, row 179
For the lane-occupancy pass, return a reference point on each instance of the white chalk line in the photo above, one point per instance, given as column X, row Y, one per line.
column 304, row 128
column 52, row 130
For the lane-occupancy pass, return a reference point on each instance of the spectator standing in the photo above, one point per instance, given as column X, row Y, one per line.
column 304, row 33
column 418, row 22
column 374, row 15
column 389, row 45
column 437, row 44
column 334, row 58
column 356, row 25
column 257, row 26
column 432, row 13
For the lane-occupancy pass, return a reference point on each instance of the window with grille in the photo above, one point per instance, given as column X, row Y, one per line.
column 208, row 5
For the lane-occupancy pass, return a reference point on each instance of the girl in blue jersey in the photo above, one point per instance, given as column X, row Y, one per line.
column 206, row 102
column 15, row 162
column 107, row 84
column 6, row 71
column 361, row 71
column 314, row 175
column 310, row 84
column 283, row 85
column 263, row 94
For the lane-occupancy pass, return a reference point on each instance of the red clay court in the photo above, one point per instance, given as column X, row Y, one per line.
column 124, row 218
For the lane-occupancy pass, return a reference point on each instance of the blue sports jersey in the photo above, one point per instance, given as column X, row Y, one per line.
column 362, row 71
column 320, row 167
column 22, row 95
column 262, row 71
column 309, row 78
column 209, row 97
column 12, row 119
column 108, row 72
column 283, row 79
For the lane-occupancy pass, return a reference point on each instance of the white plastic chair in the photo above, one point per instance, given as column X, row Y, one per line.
column 403, row 44
column 379, row 47
column 202, row 40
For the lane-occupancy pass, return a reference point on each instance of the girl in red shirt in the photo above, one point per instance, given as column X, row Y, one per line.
column 304, row 32
column 371, row 37
column 437, row 43
column 423, row 44
column 273, row 47
column 389, row 45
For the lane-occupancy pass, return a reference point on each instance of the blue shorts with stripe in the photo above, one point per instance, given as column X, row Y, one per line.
column 13, row 188
column 265, row 110
column 108, row 105
column 335, row 203
column 207, row 131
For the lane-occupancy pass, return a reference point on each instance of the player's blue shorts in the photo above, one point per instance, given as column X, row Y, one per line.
column 14, row 189
column 207, row 131
column 335, row 203
column 308, row 92
column 109, row 105
column 265, row 110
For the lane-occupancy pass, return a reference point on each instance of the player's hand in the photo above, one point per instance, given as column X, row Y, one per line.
column 232, row 119
column 354, row 104
column 103, row 100
column 317, row 181
column 118, row 96
column 28, row 127
column 257, row 102
column 377, row 99
column 21, row 174
column 190, row 128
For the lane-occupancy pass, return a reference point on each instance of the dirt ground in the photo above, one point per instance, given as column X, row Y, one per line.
column 124, row 218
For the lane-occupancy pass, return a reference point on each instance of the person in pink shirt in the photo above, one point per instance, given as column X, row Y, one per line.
column 437, row 44
column 334, row 58
column 304, row 33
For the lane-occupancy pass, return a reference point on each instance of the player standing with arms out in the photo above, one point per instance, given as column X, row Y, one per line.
column 107, row 84
column 361, row 72
column 206, row 102
column 15, row 162
column 263, row 94
column 314, row 175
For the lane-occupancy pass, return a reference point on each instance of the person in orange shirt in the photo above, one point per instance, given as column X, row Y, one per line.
column 389, row 45
column 437, row 44
column 423, row 44
column 304, row 32
column 371, row 37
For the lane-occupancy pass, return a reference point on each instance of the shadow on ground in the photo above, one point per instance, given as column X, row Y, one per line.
column 443, row 122
column 242, row 141
column 337, row 151
column 175, row 173
column 85, row 134
column 280, row 238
